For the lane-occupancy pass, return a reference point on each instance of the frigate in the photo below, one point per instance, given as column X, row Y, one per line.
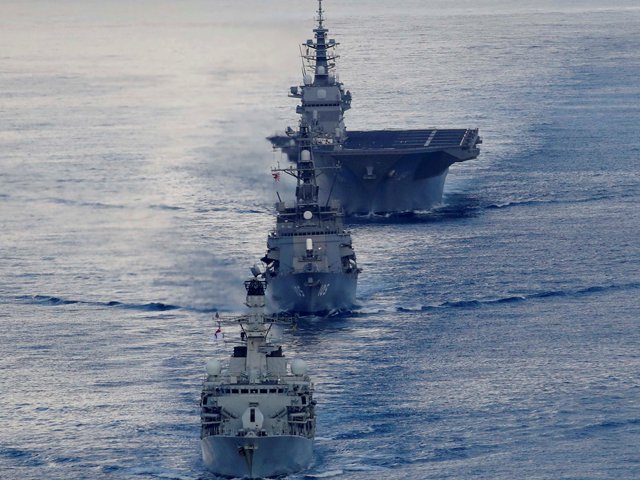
column 310, row 263
column 258, row 416
column 383, row 171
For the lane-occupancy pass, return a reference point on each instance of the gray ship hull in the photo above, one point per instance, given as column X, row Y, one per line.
column 256, row 457
column 395, row 189
column 328, row 291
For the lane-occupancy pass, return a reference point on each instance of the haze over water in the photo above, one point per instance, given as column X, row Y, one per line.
column 497, row 335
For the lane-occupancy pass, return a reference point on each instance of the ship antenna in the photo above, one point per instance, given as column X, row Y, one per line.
column 320, row 14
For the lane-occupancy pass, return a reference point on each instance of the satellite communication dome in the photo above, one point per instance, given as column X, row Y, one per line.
column 305, row 156
column 298, row 367
column 307, row 80
column 308, row 215
column 214, row 367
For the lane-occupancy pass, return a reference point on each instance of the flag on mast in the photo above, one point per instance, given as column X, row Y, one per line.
column 216, row 336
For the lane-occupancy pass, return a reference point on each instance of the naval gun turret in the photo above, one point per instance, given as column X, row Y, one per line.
column 258, row 415
column 383, row 171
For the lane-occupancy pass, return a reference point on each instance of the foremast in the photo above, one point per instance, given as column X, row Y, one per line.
column 255, row 329
column 307, row 206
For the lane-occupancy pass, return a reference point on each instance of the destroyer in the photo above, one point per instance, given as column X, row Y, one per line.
column 258, row 420
column 310, row 262
column 383, row 171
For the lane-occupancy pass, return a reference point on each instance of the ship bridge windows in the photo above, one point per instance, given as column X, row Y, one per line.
column 336, row 104
column 296, row 234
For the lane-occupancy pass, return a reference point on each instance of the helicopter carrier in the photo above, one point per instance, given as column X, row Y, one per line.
column 383, row 171
column 258, row 417
column 310, row 263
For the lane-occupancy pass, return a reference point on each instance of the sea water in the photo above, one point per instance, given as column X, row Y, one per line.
column 496, row 336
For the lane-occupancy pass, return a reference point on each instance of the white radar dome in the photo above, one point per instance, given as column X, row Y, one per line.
column 320, row 70
column 214, row 367
column 308, row 215
column 307, row 80
column 305, row 156
column 298, row 367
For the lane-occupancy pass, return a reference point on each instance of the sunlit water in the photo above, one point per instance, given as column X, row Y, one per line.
column 497, row 336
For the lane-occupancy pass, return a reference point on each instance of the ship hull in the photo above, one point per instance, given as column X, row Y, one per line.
column 394, row 186
column 385, row 182
column 389, row 171
column 256, row 457
column 327, row 291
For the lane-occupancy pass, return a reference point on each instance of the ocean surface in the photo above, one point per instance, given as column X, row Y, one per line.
column 497, row 336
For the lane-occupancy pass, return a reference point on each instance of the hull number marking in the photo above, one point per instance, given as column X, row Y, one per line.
column 323, row 289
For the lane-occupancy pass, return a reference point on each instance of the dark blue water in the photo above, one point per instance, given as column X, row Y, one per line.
column 497, row 335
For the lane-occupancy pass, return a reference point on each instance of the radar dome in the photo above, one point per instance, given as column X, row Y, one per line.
column 214, row 367
column 305, row 156
column 298, row 367
column 308, row 215
column 307, row 80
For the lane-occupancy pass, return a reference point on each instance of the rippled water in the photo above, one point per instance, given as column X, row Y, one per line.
column 497, row 335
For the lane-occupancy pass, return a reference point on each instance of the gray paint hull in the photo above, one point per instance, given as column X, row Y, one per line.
column 275, row 455
column 402, row 183
column 329, row 291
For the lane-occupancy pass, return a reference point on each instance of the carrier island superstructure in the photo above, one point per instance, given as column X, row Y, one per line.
column 310, row 261
column 258, row 416
column 383, row 171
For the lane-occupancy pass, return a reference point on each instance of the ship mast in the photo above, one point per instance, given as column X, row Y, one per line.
column 323, row 60
column 320, row 13
column 306, row 174
column 255, row 329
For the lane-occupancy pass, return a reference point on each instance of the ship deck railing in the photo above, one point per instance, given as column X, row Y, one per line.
column 277, row 429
